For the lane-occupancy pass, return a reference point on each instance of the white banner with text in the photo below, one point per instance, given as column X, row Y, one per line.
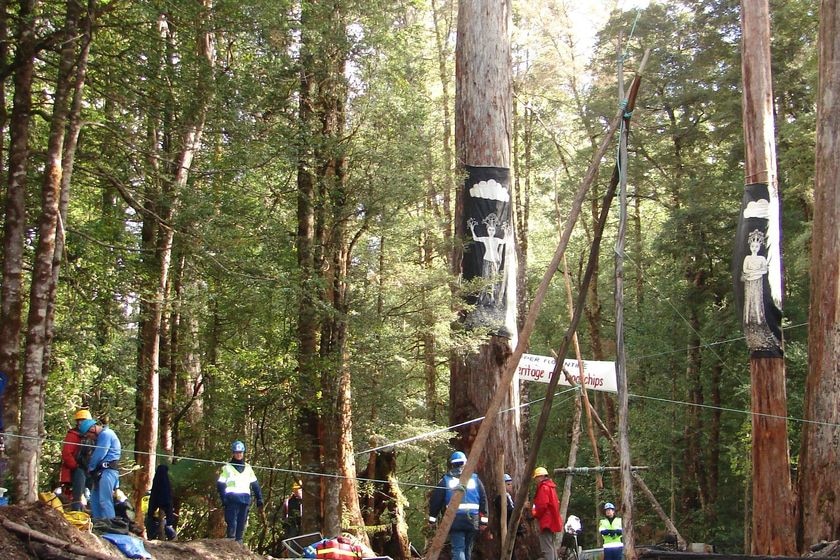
column 597, row 375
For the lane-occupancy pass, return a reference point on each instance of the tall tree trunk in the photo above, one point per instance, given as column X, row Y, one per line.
column 34, row 382
column 774, row 506
column 819, row 455
column 308, row 431
column 483, row 110
column 74, row 128
column 14, row 223
column 175, row 183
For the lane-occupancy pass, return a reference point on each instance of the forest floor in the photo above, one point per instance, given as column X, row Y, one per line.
column 48, row 521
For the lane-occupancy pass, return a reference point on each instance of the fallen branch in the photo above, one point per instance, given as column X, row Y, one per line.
column 38, row 536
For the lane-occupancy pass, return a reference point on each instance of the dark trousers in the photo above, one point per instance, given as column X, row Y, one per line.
column 236, row 517
column 78, row 482
column 615, row 553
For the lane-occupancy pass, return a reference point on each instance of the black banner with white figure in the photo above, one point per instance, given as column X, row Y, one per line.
column 489, row 265
column 757, row 272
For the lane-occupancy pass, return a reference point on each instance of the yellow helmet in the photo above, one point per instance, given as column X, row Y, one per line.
column 82, row 414
column 296, row 486
column 539, row 471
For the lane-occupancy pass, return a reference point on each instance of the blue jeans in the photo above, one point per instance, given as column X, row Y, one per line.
column 462, row 543
column 236, row 517
column 614, row 553
column 102, row 497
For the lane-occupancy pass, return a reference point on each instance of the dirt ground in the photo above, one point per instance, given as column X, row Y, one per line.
column 44, row 519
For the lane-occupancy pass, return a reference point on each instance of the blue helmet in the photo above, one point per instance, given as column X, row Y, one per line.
column 86, row 425
column 237, row 447
column 458, row 457
column 609, row 505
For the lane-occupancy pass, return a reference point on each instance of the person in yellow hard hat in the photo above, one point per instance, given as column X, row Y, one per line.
column 293, row 511
column 546, row 510
column 74, row 459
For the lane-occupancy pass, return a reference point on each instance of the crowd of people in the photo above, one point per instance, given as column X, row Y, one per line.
column 89, row 476
column 471, row 516
column 89, row 480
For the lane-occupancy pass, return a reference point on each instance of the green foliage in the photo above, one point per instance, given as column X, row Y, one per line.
column 235, row 287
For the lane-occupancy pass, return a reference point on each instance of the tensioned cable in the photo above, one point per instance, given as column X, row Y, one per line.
column 448, row 428
column 423, row 485
column 700, row 346
column 298, row 472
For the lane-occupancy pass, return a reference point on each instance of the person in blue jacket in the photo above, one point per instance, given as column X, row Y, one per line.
column 236, row 483
column 472, row 511
column 103, row 466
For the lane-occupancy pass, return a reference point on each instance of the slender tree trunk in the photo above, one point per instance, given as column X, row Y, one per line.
column 442, row 18
column 819, row 455
column 774, row 507
column 307, row 326
column 67, row 164
column 34, row 382
column 190, row 139
column 693, row 429
column 14, row 224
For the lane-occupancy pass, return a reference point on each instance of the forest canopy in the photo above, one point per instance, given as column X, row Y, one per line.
column 236, row 221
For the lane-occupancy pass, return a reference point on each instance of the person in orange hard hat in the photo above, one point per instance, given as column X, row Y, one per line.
column 72, row 476
column 546, row 510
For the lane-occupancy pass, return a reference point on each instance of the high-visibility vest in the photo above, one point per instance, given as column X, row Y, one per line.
column 469, row 505
column 237, row 482
column 609, row 540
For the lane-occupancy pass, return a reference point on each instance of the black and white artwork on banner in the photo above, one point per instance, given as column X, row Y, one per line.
column 489, row 265
column 755, row 273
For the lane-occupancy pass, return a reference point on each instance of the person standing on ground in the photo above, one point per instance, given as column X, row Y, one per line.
column 472, row 512
column 611, row 531
column 546, row 510
column 236, row 483
column 72, row 476
column 160, row 501
column 103, row 466
column 293, row 511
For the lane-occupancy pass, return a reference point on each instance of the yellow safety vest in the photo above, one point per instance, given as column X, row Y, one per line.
column 237, row 482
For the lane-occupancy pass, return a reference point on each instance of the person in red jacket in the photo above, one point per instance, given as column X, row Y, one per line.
column 73, row 474
column 546, row 510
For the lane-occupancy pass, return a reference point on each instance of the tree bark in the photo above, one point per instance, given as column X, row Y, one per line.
column 34, row 381
column 174, row 183
column 14, row 224
column 774, row 507
column 820, row 453
column 483, row 112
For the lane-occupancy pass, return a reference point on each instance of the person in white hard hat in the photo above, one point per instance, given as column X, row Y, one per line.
column 611, row 532
column 236, row 483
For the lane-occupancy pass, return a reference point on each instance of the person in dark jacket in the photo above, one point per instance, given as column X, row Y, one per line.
column 472, row 511
column 236, row 483
column 160, row 502
column 497, row 505
column 293, row 511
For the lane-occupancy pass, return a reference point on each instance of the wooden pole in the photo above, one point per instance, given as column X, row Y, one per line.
column 524, row 336
column 774, row 511
column 621, row 358
column 522, row 490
